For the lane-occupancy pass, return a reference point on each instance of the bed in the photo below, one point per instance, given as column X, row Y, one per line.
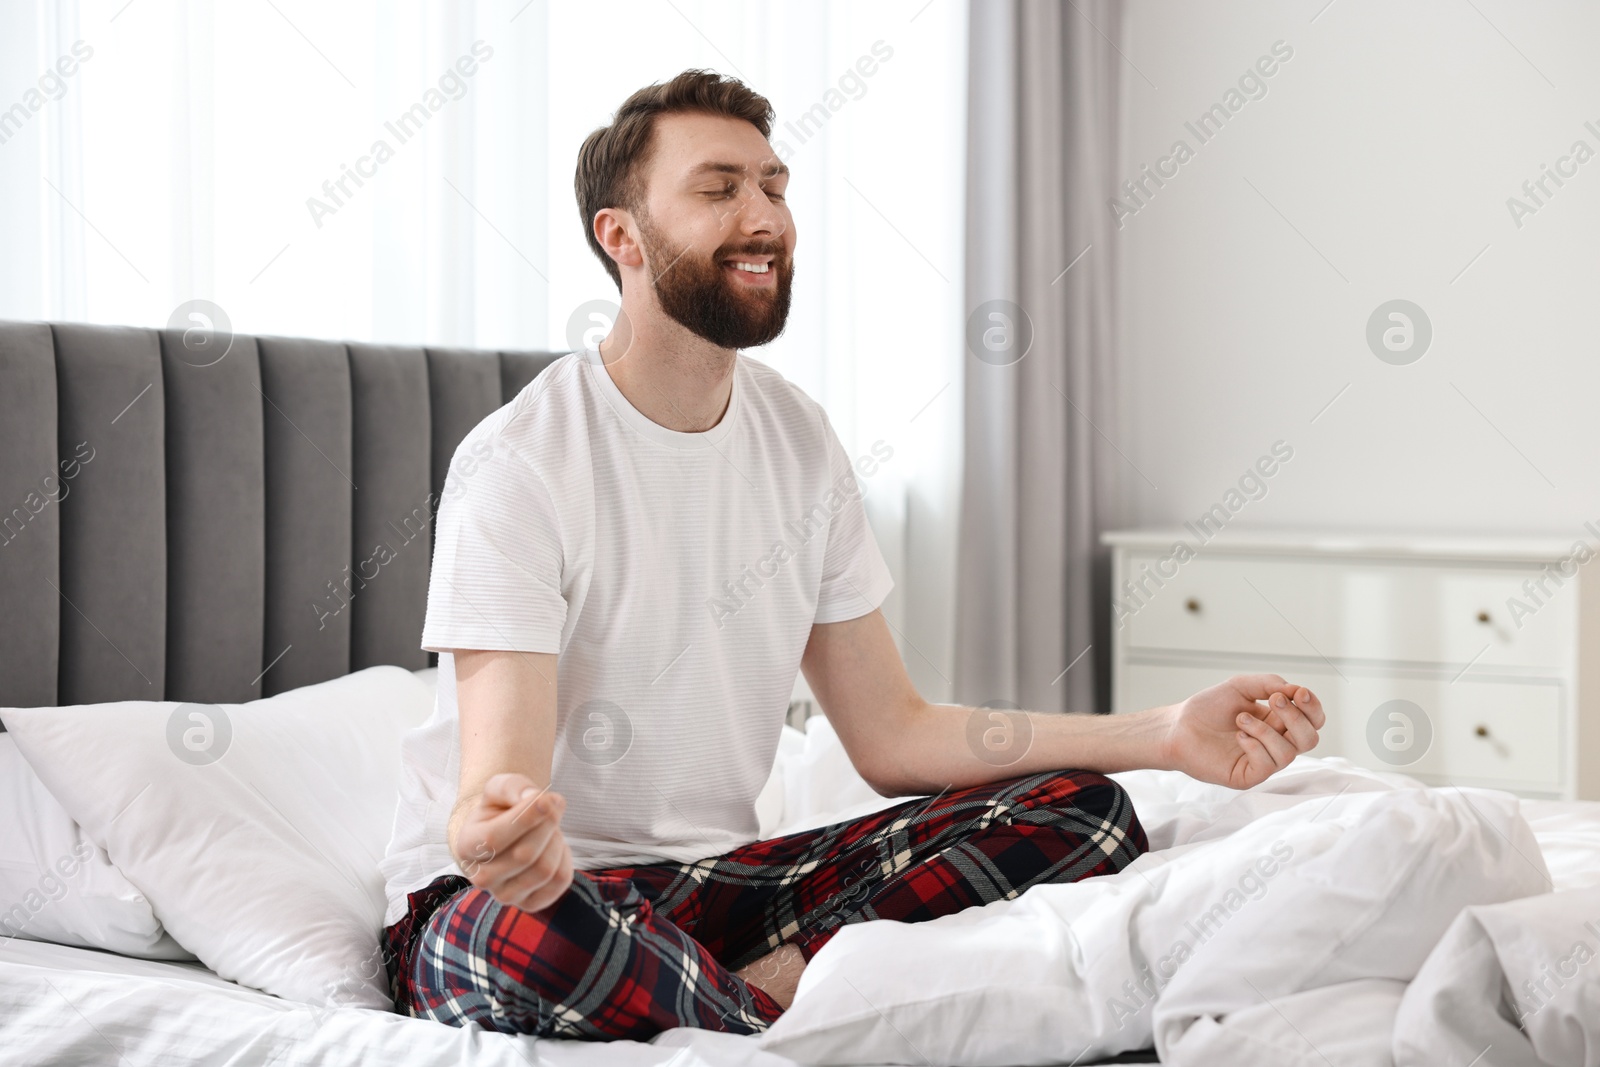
column 191, row 562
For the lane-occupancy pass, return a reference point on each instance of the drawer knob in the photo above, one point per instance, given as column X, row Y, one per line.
column 1483, row 616
column 1482, row 731
column 1191, row 605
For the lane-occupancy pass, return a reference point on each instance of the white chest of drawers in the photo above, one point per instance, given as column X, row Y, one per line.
column 1454, row 660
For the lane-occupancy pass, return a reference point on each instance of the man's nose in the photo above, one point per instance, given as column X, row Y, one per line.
column 759, row 215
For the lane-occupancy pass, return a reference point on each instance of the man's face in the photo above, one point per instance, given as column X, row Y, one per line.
column 715, row 198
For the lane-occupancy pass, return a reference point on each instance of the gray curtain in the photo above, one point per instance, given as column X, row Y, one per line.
column 1042, row 475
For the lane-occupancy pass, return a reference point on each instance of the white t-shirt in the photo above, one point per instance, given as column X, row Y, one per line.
column 677, row 575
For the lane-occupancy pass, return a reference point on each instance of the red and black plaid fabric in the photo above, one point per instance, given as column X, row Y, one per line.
column 629, row 952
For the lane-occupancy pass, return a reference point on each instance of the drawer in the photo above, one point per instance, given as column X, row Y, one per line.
column 1503, row 735
column 1346, row 610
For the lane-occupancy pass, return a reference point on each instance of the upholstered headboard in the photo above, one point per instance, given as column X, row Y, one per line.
column 177, row 528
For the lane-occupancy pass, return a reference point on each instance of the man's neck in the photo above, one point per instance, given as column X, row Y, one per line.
column 674, row 378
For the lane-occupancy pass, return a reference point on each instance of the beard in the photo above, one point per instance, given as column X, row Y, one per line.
column 696, row 292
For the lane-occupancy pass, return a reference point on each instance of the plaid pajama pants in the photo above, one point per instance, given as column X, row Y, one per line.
column 631, row 951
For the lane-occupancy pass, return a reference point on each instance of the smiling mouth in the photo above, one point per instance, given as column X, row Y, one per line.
column 751, row 273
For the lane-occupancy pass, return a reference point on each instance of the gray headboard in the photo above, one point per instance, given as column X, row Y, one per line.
column 178, row 531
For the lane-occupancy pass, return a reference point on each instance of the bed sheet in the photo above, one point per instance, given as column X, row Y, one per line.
column 1568, row 832
column 67, row 1005
column 74, row 1006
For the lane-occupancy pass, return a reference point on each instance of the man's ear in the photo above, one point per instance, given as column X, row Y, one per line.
column 617, row 232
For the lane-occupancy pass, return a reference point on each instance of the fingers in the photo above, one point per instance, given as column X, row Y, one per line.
column 1293, row 723
column 509, row 831
column 543, row 882
column 1257, row 759
column 539, row 845
column 1278, row 750
column 492, row 833
column 564, row 875
column 505, row 790
column 1259, row 687
column 1307, row 702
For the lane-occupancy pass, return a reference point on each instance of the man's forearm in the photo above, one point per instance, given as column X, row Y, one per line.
column 949, row 746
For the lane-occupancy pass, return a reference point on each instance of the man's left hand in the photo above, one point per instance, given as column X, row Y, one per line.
column 1239, row 732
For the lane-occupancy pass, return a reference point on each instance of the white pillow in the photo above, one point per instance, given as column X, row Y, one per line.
column 55, row 885
column 254, row 829
column 820, row 784
column 813, row 783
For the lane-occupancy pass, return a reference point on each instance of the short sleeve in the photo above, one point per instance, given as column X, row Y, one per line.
column 497, row 559
column 855, row 579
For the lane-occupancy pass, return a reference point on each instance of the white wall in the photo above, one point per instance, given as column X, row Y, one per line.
column 1390, row 141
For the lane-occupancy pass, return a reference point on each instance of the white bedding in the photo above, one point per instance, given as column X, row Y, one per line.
column 1543, row 949
column 1352, row 873
column 72, row 1006
column 1313, row 898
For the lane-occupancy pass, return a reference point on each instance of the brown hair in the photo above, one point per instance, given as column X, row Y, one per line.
column 612, row 156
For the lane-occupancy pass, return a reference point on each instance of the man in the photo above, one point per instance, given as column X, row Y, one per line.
column 636, row 556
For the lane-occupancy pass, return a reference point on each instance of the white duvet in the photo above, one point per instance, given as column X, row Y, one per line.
column 1510, row 985
column 1228, row 944
column 1330, row 917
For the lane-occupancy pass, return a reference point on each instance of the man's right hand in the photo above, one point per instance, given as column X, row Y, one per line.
column 510, row 843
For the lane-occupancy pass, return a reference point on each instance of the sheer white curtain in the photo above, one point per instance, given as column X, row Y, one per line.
column 402, row 172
